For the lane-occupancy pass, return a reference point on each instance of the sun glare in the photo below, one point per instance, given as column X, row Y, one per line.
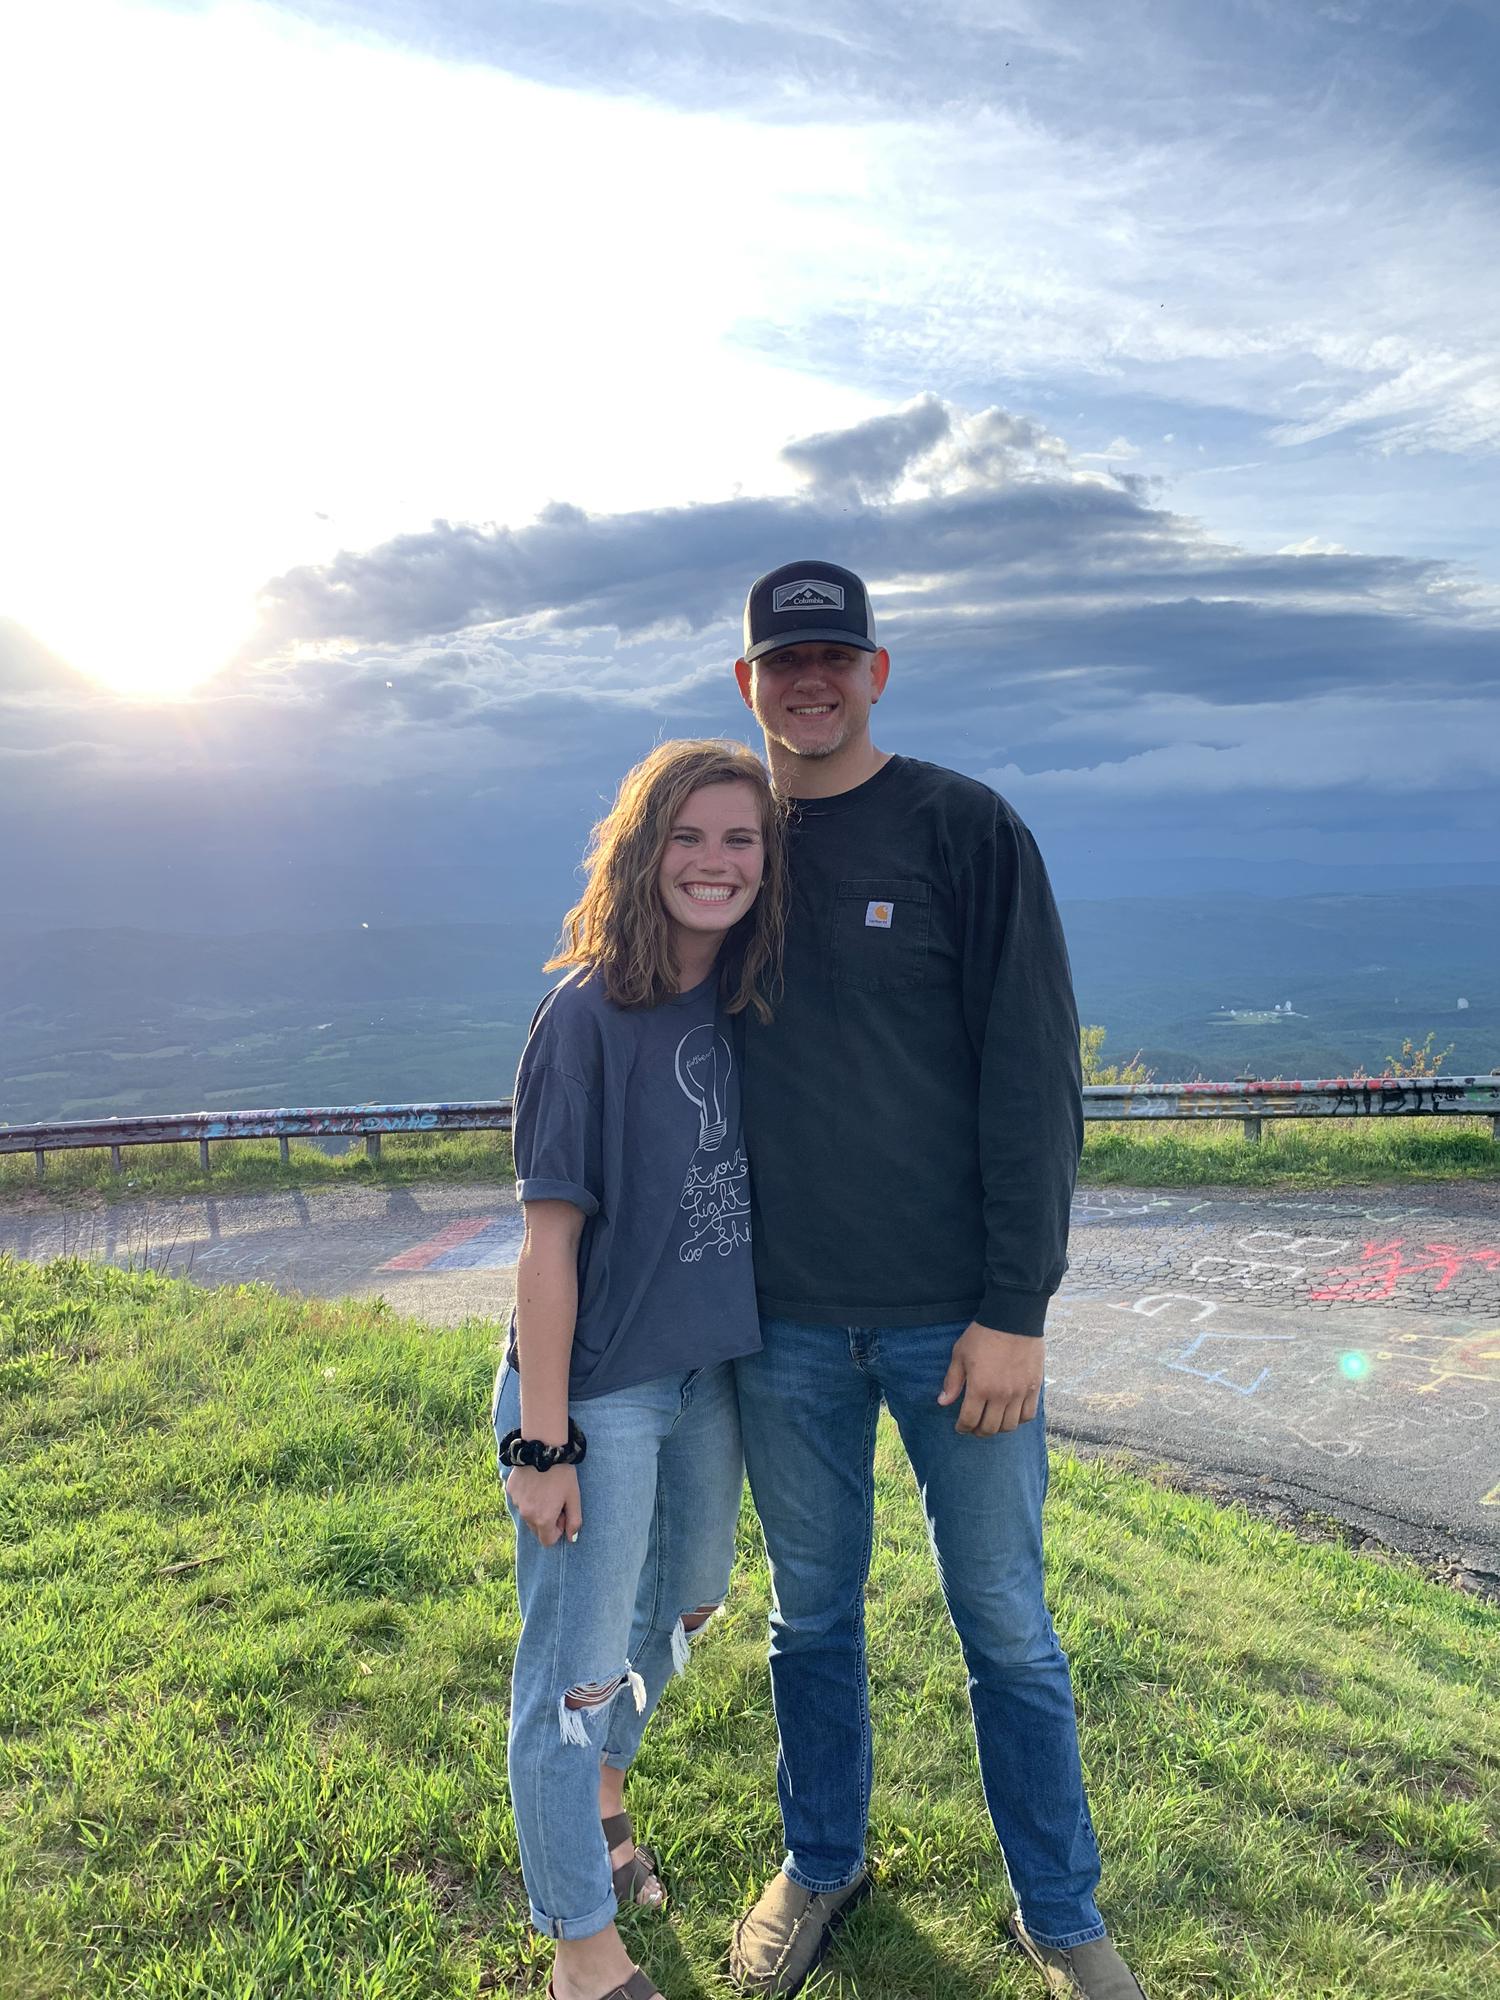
column 254, row 407
column 147, row 652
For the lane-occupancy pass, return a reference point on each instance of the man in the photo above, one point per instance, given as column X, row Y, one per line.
column 914, row 1123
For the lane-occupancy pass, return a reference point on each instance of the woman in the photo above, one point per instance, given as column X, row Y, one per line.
column 615, row 1410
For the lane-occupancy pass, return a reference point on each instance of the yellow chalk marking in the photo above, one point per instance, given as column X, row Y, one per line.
column 1459, row 1357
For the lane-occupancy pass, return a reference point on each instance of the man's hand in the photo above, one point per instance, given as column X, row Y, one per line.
column 548, row 1502
column 999, row 1376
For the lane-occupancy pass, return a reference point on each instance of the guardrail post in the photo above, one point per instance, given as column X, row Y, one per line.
column 1252, row 1130
column 203, row 1156
column 1495, row 1130
column 116, row 1160
column 286, row 1149
column 372, row 1146
column 41, row 1160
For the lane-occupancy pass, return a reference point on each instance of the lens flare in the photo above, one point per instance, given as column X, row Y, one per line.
column 1354, row 1365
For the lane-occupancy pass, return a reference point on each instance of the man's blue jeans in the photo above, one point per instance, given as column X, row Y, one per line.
column 809, row 1403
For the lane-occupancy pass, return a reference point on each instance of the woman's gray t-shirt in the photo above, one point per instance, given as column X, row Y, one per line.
column 633, row 1115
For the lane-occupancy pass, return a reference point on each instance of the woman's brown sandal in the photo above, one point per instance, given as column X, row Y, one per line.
column 637, row 1987
column 634, row 1875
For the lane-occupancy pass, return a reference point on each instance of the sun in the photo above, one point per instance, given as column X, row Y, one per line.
column 146, row 650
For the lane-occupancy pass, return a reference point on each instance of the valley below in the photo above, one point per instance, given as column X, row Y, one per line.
column 100, row 1022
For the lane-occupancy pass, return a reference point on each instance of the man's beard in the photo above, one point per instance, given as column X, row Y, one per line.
column 818, row 752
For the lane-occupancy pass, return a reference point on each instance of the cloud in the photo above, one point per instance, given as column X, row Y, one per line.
column 984, row 540
column 868, row 460
column 1160, row 216
column 1103, row 660
column 1159, row 198
column 1404, row 747
column 930, row 446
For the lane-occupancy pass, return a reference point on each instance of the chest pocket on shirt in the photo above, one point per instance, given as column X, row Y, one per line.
column 879, row 941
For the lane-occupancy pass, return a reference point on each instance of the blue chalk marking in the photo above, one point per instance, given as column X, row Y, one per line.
column 1182, row 1365
column 1218, row 1375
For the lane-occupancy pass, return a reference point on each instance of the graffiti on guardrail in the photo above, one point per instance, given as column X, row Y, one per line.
column 1293, row 1097
column 1250, row 1101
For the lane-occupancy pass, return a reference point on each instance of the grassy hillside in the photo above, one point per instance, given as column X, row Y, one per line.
column 258, row 1619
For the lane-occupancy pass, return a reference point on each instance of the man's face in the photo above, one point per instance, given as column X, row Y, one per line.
column 814, row 698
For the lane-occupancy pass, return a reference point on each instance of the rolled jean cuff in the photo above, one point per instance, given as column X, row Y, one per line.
column 794, row 1874
column 576, row 1927
column 1072, row 1939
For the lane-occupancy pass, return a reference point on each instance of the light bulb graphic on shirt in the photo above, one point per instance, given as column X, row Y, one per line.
column 703, row 1067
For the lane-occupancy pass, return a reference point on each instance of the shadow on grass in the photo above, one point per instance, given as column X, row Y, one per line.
column 880, row 1954
column 882, row 1951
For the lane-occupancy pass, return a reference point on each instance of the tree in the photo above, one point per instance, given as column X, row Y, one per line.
column 1417, row 1059
column 1090, row 1048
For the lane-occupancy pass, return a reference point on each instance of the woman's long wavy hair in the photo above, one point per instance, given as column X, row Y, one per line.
column 619, row 928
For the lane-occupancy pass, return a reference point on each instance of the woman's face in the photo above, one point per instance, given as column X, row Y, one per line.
column 714, row 859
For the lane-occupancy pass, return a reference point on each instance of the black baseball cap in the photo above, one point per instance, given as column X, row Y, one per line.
column 802, row 601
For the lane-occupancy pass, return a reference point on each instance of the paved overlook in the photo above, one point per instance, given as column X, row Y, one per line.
column 1338, row 1351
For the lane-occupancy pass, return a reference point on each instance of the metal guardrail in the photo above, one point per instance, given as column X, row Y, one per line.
column 323, row 1122
column 1335, row 1097
column 1246, row 1099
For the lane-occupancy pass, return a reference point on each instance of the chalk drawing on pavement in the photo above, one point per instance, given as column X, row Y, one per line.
column 1156, row 1303
column 1107, row 1205
column 1285, row 1243
column 1303, row 1393
column 1447, row 1357
column 1383, row 1266
column 1251, row 1272
column 478, row 1243
column 1183, row 1363
column 1266, row 1259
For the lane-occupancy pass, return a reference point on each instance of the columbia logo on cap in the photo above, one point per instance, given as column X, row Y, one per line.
column 808, row 595
column 808, row 602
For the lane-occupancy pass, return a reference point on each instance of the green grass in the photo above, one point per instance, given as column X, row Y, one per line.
column 245, row 1166
column 1308, row 1152
column 1292, row 1152
column 279, row 1774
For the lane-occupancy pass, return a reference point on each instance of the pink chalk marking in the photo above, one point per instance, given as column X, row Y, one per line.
column 1383, row 1264
column 422, row 1255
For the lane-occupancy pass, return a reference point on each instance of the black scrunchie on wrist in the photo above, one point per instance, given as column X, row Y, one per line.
column 517, row 1450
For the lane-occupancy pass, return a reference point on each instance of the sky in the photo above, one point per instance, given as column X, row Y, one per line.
column 396, row 402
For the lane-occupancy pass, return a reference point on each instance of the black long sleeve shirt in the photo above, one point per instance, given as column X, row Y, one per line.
column 913, row 1113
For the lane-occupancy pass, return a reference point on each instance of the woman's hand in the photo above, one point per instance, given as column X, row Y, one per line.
column 548, row 1502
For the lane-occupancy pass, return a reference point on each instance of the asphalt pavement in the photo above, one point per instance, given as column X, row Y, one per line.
column 1334, row 1352
column 1337, row 1352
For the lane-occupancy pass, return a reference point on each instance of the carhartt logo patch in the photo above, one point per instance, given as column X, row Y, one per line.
column 878, row 916
column 808, row 595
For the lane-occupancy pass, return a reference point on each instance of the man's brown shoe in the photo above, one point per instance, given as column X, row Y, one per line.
column 778, row 1943
column 1086, row 1972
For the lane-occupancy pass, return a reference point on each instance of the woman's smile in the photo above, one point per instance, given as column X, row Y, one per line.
column 712, row 865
